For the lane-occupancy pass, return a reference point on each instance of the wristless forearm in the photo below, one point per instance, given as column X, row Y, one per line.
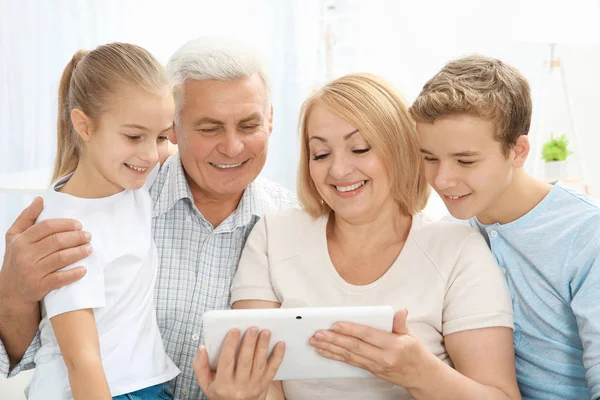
column 87, row 379
column 18, row 325
column 445, row 383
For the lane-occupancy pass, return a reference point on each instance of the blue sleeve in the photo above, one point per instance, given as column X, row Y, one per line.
column 585, row 286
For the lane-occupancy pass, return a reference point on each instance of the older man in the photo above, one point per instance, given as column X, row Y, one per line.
column 207, row 198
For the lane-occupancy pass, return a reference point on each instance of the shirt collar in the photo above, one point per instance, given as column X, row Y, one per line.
column 252, row 206
column 175, row 186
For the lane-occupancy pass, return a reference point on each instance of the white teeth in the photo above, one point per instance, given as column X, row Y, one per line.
column 455, row 197
column 226, row 166
column 138, row 169
column 350, row 188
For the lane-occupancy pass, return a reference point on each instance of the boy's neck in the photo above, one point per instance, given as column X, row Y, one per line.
column 522, row 195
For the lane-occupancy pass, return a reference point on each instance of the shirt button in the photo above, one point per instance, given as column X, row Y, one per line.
column 493, row 233
column 503, row 271
column 195, row 336
column 186, row 391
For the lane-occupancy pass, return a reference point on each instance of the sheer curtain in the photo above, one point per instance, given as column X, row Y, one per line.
column 38, row 38
column 407, row 42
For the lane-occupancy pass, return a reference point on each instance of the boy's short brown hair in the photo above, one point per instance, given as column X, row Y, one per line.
column 480, row 86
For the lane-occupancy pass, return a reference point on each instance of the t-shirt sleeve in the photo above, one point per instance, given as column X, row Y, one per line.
column 88, row 292
column 585, row 303
column 477, row 294
column 252, row 280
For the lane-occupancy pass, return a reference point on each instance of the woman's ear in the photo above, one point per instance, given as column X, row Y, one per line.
column 82, row 124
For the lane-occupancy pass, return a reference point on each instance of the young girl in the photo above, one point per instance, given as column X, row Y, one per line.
column 99, row 335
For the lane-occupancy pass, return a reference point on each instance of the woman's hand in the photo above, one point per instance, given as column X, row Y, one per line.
column 398, row 357
column 249, row 377
column 484, row 359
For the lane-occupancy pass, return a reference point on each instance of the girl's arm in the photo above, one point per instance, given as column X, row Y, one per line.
column 77, row 337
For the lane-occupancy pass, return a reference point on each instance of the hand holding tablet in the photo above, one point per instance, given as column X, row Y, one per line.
column 295, row 327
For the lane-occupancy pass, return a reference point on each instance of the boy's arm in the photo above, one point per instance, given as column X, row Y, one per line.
column 585, row 302
column 77, row 337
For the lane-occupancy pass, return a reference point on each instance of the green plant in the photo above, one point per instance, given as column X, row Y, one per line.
column 556, row 149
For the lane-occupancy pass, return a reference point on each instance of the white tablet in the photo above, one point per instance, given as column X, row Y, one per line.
column 295, row 326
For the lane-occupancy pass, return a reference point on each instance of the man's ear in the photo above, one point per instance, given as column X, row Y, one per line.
column 82, row 124
column 172, row 136
column 521, row 150
column 271, row 119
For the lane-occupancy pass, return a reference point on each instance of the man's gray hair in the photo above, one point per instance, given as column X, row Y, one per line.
column 214, row 58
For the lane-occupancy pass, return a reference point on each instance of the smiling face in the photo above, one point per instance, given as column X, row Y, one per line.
column 222, row 134
column 347, row 174
column 124, row 144
column 465, row 164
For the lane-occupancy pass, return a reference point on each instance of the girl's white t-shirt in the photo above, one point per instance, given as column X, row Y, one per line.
column 118, row 286
column 445, row 276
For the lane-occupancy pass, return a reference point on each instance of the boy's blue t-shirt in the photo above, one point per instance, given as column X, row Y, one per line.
column 551, row 260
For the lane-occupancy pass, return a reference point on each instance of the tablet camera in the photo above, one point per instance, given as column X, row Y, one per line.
column 299, row 317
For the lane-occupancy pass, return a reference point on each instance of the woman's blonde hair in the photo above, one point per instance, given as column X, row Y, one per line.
column 86, row 83
column 374, row 107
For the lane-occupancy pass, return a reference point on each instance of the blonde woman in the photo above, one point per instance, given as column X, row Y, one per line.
column 359, row 240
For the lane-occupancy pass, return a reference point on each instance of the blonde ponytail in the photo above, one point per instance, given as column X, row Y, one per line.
column 87, row 83
column 67, row 148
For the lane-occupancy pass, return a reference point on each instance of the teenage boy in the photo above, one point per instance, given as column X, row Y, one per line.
column 473, row 118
